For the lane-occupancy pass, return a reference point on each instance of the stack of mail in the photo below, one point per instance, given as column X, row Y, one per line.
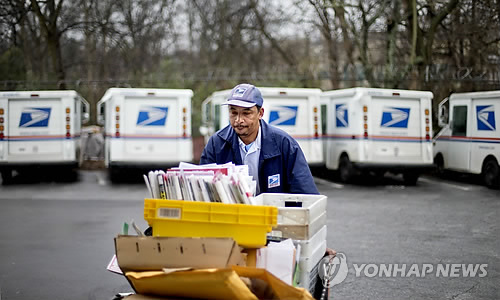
column 227, row 183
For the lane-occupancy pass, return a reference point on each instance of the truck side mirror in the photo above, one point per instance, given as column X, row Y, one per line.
column 86, row 117
column 85, row 111
column 443, row 116
column 100, row 114
column 203, row 130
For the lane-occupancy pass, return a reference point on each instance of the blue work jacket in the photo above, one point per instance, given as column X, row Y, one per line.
column 282, row 165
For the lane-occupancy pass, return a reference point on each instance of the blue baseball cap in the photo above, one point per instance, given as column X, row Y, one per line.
column 244, row 95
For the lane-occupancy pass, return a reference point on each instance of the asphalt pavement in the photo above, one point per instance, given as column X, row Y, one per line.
column 440, row 223
column 57, row 237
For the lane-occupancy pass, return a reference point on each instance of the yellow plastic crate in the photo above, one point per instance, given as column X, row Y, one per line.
column 246, row 224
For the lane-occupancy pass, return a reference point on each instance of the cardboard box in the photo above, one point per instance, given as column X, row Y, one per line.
column 145, row 297
column 215, row 270
column 155, row 253
column 220, row 284
column 144, row 259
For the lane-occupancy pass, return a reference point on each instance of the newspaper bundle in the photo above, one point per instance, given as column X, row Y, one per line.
column 227, row 183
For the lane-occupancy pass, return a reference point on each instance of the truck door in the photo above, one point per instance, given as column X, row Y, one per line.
column 459, row 149
column 395, row 129
column 35, row 129
column 484, row 131
column 152, row 128
column 294, row 116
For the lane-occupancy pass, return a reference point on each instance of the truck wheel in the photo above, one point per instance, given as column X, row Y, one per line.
column 114, row 175
column 410, row 178
column 439, row 162
column 491, row 174
column 6, row 176
column 71, row 175
column 346, row 169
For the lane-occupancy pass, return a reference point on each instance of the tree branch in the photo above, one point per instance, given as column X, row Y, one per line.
column 275, row 44
column 41, row 17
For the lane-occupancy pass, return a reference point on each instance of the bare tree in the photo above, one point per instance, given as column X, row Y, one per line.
column 351, row 26
column 143, row 31
column 89, row 29
column 262, row 25
column 223, row 41
column 48, row 13
column 212, row 44
column 12, row 60
column 326, row 25
column 369, row 13
column 103, row 11
column 422, row 31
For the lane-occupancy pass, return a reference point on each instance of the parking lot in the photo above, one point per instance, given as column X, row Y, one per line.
column 57, row 237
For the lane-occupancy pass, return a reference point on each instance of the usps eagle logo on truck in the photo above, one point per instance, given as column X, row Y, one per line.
column 152, row 116
column 395, row 117
column 283, row 115
column 35, row 117
column 485, row 117
column 341, row 116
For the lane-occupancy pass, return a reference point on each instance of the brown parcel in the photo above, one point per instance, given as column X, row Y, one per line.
column 138, row 254
column 142, row 260
column 155, row 253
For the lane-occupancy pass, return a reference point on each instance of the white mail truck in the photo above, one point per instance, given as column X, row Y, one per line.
column 145, row 128
column 40, row 129
column 469, row 141
column 294, row 110
column 378, row 130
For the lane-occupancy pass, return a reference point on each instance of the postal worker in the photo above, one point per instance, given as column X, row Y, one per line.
column 273, row 157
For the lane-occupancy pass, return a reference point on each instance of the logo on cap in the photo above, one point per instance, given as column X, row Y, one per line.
column 239, row 92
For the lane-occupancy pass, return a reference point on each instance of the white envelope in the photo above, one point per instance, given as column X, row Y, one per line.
column 278, row 259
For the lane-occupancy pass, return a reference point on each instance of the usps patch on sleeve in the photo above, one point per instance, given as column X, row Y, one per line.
column 273, row 181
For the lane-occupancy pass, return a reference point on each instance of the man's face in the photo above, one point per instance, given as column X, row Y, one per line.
column 245, row 121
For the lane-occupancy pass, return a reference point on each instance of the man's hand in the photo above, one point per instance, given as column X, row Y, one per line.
column 330, row 252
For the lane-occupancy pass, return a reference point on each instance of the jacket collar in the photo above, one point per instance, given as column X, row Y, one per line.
column 269, row 147
column 231, row 138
